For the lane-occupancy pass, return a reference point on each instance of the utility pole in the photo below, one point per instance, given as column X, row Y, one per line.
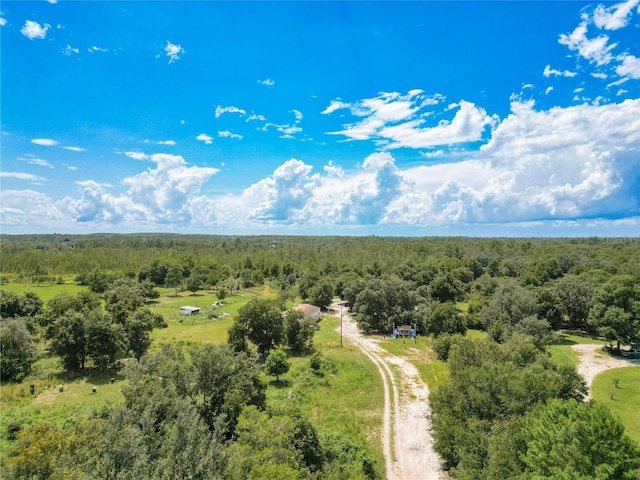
column 341, row 305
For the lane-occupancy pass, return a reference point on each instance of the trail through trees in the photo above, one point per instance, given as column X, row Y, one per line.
column 406, row 432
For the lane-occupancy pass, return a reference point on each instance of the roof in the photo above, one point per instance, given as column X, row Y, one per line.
column 308, row 309
column 190, row 308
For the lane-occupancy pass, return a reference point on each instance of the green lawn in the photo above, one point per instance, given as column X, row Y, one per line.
column 624, row 400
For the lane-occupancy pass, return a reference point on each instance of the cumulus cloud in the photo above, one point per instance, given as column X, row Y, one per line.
column 228, row 134
column 614, row 17
column 33, row 30
column 164, row 193
column 395, row 120
column 629, row 66
column 46, row 142
column 220, row 110
column 203, row 137
column 21, row 207
column 173, row 51
column 267, row 82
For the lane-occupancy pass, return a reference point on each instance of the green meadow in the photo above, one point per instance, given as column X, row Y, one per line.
column 619, row 390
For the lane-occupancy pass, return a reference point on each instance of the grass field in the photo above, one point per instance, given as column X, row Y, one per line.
column 348, row 399
column 561, row 351
column 46, row 291
column 624, row 399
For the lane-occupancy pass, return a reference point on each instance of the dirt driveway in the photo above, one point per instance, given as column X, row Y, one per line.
column 407, row 441
column 592, row 361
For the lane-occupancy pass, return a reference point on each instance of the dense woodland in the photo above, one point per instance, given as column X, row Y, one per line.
column 200, row 412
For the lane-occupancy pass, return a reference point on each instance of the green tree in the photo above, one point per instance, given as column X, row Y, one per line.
column 69, row 340
column 106, row 339
column 576, row 294
column 17, row 350
column 263, row 322
column 446, row 288
column 577, row 441
column 321, row 294
column 298, row 334
column 616, row 310
column 276, row 363
column 138, row 327
column 383, row 302
column 443, row 318
column 174, row 278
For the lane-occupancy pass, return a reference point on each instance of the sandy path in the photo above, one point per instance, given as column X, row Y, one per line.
column 407, row 442
column 592, row 361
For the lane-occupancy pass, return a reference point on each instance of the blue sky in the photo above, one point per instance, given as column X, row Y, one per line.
column 349, row 118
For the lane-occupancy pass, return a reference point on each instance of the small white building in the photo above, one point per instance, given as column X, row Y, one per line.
column 188, row 310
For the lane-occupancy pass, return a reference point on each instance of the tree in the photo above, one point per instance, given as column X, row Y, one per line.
column 576, row 294
column 263, row 322
column 298, row 334
column 68, row 339
column 17, row 350
column 570, row 440
column 174, row 277
column 383, row 302
column 445, row 288
column 276, row 363
column 138, row 326
column 321, row 294
column 616, row 310
column 443, row 318
column 123, row 298
column 106, row 339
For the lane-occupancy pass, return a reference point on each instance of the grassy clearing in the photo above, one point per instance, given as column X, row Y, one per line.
column 563, row 355
column 561, row 351
column 349, row 399
column 45, row 291
column 623, row 399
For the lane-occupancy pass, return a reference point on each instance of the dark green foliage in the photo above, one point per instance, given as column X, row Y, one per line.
column 298, row 332
column 138, row 326
column 577, row 441
column 69, row 340
column 488, row 384
column 263, row 324
column 276, row 363
column 446, row 288
column 442, row 345
column 321, row 294
column 443, row 318
column 616, row 311
column 576, row 295
column 17, row 350
column 384, row 302
column 106, row 339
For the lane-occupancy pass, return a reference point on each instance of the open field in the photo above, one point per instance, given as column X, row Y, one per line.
column 623, row 399
column 46, row 291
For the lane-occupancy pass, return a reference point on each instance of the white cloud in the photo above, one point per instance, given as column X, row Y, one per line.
column 255, row 116
column 75, row 149
column 21, row 207
column 335, row 105
column 21, row 176
column 166, row 142
column 136, row 155
column 220, row 110
column 46, row 142
column 394, row 120
column 298, row 115
column 95, row 49
column 595, row 49
column 33, row 30
column 3, row 21
column 599, row 75
column 203, row 137
column 548, row 90
column 615, row 17
column 630, row 66
column 228, row 134
column 72, row 168
column 578, row 90
column 69, row 50
column 173, row 51
column 287, row 131
column 32, row 160
column 548, row 71
column 268, row 82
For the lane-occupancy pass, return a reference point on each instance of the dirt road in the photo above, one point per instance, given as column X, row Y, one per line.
column 406, row 434
column 592, row 361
